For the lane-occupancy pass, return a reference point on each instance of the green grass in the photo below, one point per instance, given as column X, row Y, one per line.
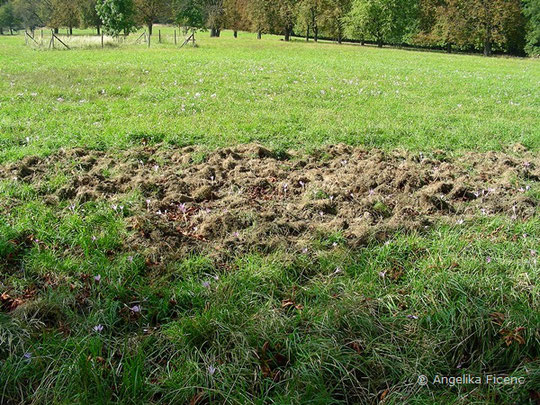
column 282, row 94
column 332, row 326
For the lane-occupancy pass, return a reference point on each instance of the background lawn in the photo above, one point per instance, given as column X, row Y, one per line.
column 282, row 94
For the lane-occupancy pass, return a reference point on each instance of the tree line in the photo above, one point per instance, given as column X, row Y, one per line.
column 504, row 26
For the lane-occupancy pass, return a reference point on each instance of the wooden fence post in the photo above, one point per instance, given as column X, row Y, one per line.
column 159, row 36
column 149, row 40
column 102, row 40
column 175, row 37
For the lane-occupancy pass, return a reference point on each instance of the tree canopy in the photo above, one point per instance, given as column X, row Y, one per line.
column 504, row 26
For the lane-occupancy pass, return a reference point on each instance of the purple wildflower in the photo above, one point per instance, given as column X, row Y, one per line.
column 97, row 278
column 27, row 356
column 488, row 259
column 135, row 309
column 98, row 328
column 211, row 370
column 412, row 317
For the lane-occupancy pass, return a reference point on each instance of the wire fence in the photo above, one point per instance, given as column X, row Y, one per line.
column 48, row 40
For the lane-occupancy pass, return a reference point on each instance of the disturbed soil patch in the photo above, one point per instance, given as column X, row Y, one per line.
column 248, row 197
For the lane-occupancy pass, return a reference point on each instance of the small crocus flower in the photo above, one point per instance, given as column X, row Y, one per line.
column 488, row 259
column 135, row 309
column 182, row 208
column 206, row 284
column 130, row 259
column 93, row 238
column 371, row 192
column 460, row 222
column 533, row 252
column 27, row 356
column 211, row 370
column 98, row 328
column 382, row 274
column 236, row 234
column 305, row 250
column 412, row 317
column 97, row 278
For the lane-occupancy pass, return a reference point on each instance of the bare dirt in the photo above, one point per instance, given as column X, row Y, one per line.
column 247, row 197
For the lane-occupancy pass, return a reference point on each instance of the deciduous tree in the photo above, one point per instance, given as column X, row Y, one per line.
column 149, row 11
column 65, row 13
column 89, row 15
column 117, row 16
column 8, row 19
column 532, row 13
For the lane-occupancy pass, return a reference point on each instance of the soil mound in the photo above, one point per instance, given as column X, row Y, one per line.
column 247, row 197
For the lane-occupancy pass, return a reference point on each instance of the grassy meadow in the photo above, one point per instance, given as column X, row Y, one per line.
column 281, row 94
column 96, row 323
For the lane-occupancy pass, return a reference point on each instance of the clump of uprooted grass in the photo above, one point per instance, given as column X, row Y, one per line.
column 84, row 317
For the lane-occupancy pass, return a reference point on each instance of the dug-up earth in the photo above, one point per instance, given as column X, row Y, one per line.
column 247, row 197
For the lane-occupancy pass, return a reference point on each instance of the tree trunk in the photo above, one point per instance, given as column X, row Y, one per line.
column 307, row 34
column 316, row 33
column 259, row 34
column 215, row 32
column 150, row 28
column 70, row 31
column 235, row 34
column 487, row 42
column 98, row 27
column 379, row 43
column 287, row 34
column 1, row 31
column 449, row 47
column 56, row 30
